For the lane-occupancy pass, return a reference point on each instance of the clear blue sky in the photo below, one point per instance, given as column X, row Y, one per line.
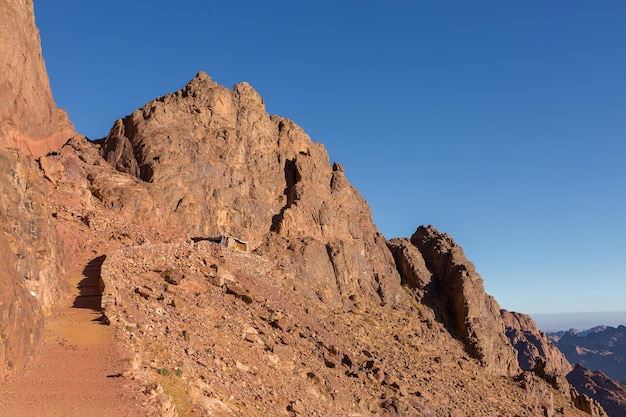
column 501, row 123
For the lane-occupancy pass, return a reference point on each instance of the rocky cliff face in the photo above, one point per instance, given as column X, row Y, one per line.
column 597, row 385
column 30, row 124
column 21, row 318
column 215, row 160
column 29, row 118
column 531, row 345
column 437, row 267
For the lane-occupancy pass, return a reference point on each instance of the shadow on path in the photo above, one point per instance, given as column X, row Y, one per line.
column 90, row 287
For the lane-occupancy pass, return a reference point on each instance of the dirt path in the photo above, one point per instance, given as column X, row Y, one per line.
column 76, row 372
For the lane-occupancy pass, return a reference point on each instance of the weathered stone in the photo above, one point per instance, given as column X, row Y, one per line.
column 531, row 344
column 29, row 118
column 228, row 168
column 33, row 259
column 595, row 391
column 173, row 276
column 474, row 314
column 238, row 291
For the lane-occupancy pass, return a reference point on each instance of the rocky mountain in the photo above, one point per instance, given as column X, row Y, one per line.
column 238, row 268
column 537, row 352
column 598, row 385
column 29, row 118
column 31, row 279
column 445, row 280
column 533, row 345
column 603, row 349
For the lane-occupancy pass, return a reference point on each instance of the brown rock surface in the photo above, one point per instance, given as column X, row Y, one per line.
column 606, row 391
column 32, row 273
column 532, row 344
column 434, row 264
column 277, row 354
column 313, row 320
column 21, row 318
column 215, row 160
column 29, row 118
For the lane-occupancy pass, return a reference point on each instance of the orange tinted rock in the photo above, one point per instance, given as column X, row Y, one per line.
column 29, row 118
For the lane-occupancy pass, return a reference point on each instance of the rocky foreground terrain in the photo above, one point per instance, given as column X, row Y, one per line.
column 318, row 315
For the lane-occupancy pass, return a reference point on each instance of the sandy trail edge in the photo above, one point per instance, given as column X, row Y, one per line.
column 76, row 372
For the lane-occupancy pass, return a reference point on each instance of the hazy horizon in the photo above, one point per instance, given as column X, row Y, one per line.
column 553, row 322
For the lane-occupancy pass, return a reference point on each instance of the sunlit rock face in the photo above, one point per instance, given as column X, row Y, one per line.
column 31, row 279
column 29, row 118
column 215, row 160
column 433, row 264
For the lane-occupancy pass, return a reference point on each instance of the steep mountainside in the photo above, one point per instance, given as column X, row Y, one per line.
column 219, row 164
column 29, row 118
column 536, row 352
column 602, row 350
column 32, row 256
column 533, row 345
column 309, row 312
column 319, row 301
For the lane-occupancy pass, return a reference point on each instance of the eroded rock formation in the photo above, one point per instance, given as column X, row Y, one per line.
column 434, row 264
column 30, row 125
column 215, row 160
column 29, row 118
column 531, row 344
column 317, row 319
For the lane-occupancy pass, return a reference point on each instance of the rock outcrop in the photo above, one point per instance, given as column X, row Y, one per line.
column 26, row 219
column 532, row 345
column 435, row 265
column 218, row 163
column 592, row 392
column 597, row 385
column 30, row 126
column 29, row 118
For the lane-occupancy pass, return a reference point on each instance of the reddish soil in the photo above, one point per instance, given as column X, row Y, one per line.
column 77, row 370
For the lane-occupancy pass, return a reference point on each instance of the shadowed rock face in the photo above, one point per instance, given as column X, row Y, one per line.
column 608, row 392
column 603, row 349
column 592, row 392
column 29, row 118
column 215, row 160
column 532, row 344
column 448, row 282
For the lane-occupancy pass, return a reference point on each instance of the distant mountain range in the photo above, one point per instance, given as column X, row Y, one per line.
column 555, row 322
column 601, row 348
